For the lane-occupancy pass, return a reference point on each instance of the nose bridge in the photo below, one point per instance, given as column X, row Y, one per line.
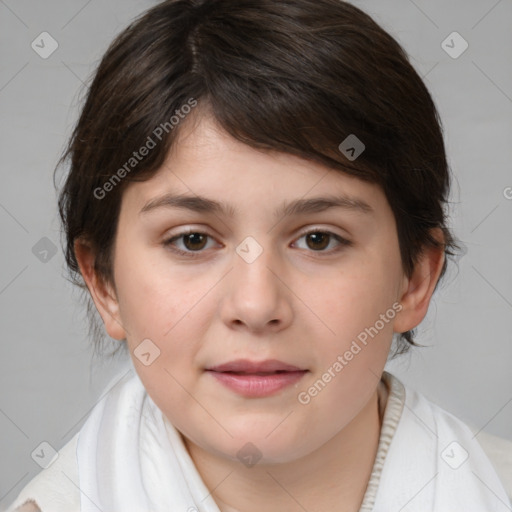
column 253, row 262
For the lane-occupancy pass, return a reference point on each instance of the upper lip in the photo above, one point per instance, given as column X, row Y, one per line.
column 247, row 366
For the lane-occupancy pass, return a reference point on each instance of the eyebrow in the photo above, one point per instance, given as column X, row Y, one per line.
column 298, row 207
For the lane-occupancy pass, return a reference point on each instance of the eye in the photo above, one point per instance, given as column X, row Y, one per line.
column 191, row 241
column 319, row 240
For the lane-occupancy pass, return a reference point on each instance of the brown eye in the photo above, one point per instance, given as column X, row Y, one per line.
column 194, row 241
column 189, row 243
column 323, row 242
column 318, row 240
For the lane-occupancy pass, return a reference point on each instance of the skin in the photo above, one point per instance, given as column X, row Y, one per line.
column 301, row 301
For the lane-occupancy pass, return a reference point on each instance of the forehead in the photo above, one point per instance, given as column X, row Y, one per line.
column 206, row 162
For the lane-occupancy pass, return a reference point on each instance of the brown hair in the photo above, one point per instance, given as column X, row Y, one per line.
column 292, row 76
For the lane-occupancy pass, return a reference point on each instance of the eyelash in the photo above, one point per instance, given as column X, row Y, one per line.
column 343, row 242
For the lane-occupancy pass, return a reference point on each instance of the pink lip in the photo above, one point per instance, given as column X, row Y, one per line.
column 256, row 379
column 251, row 385
column 247, row 366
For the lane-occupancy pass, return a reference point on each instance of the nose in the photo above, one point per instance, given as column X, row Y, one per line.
column 257, row 298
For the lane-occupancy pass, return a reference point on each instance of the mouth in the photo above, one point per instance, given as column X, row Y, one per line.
column 256, row 379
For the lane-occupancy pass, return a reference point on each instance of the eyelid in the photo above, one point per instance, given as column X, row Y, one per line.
column 342, row 241
column 167, row 242
column 316, row 229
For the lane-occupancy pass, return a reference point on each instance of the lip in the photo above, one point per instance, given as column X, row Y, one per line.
column 256, row 379
column 247, row 366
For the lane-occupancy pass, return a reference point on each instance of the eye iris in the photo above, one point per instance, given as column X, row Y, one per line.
column 318, row 238
column 194, row 238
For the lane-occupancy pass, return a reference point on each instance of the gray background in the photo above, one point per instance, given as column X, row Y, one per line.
column 49, row 380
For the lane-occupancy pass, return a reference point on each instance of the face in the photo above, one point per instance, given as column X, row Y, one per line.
column 258, row 280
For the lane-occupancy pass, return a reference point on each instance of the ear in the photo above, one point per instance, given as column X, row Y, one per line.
column 417, row 290
column 102, row 293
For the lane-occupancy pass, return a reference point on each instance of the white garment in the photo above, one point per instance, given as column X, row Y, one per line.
column 131, row 459
column 434, row 463
column 138, row 465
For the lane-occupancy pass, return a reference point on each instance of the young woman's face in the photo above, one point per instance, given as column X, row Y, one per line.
column 255, row 282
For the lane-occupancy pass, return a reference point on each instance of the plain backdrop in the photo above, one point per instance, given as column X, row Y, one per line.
column 49, row 380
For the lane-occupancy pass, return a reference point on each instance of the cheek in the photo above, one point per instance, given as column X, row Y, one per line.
column 156, row 298
column 355, row 298
column 172, row 308
column 357, row 306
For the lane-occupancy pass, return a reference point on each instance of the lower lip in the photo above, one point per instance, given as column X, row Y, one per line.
column 258, row 385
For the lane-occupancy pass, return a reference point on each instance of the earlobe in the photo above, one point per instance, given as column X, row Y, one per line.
column 417, row 290
column 102, row 293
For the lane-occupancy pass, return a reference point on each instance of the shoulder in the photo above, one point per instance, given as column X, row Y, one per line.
column 499, row 451
column 54, row 489
column 457, row 441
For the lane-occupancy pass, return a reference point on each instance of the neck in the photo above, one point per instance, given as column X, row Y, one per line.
column 333, row 477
